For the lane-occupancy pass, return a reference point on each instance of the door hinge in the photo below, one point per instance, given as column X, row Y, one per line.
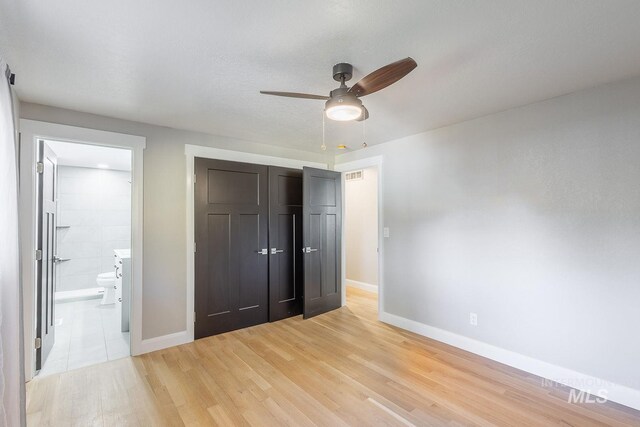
column 39, row 167
column 194, row 178
column 38, row 343
column 38, row 254
column 194, row 317
column 194, row 247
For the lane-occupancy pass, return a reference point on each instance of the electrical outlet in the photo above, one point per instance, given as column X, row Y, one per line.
column 385, row 231
column 473, row 319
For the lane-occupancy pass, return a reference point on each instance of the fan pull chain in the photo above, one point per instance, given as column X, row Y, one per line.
column 323, row 146
column 364, row 134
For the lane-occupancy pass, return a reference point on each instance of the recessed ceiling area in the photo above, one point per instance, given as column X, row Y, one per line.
column 200, row 65
column 91, row 156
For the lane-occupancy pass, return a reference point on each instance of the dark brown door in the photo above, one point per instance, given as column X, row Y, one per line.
column 285, row 241
column 46, row 265
column 231, row 259
column 322, row 231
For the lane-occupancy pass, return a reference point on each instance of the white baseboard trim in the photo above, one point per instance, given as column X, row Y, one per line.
column 164, row 341
column 611, row 391
column 361, row 285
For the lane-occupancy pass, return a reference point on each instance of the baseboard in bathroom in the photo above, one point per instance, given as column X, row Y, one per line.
column 78, row 295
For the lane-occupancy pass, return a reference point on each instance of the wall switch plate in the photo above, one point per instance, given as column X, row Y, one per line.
column 385, row 231
column 473, row 319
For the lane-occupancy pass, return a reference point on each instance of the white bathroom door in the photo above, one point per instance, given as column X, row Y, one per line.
column 47, row 171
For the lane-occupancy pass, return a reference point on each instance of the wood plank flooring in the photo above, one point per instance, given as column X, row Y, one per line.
column 341, row 368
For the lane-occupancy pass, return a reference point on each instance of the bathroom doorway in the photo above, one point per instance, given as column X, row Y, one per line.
column 84, row 287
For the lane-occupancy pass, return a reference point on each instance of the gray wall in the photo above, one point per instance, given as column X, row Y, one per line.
column 529, row 218
column 164, row 238
column 96, row 205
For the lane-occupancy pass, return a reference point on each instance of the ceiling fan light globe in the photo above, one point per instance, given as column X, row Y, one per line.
column 343, row 106
column 344, row 113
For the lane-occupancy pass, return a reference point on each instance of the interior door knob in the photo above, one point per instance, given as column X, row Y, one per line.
column 264, row 251
column 276, row 251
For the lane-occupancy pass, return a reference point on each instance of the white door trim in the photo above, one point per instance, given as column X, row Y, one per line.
column 30, row 131
column 193, row 151
column 374, row 161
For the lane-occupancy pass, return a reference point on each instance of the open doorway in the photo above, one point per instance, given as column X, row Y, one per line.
column 83, row 286
column 361, row 227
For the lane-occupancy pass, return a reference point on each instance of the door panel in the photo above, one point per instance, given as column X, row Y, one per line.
column 286, row 263
column 285, row 241
column 312, row 260
column 231, row 230
column 233, row 187
column 218, row 245
column 329, row 256
column 324, row 191
column 46, row 267
column 253, row 280
column 289, row 191
column 322, row 234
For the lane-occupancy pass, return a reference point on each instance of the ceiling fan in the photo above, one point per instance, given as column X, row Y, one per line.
column 343, row 104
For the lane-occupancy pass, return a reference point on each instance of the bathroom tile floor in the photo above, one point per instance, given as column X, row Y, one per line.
column 86, row 333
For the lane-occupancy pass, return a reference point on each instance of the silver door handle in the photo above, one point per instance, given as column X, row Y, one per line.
column 276, row 251
column 308, row 250
column 263, row 252
column 57, row 259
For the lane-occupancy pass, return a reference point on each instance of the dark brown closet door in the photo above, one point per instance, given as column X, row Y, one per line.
column 231, row 259
column 285, row 240
column 322, row 233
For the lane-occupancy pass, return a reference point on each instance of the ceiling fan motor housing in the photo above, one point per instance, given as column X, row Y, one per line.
column 342, row 71
column 342, row 96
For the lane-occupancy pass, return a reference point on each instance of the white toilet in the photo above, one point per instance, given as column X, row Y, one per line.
column 108, row 282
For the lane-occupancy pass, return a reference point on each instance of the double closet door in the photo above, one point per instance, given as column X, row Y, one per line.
column 267, row 244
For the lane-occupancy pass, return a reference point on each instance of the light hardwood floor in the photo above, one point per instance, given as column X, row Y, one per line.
column 341, row 368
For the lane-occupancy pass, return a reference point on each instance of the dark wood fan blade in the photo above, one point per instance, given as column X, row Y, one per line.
column 295, row 95
column 383, row 77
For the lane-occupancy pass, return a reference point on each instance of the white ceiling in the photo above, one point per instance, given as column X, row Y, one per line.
column 91, row 156
column 199, row 65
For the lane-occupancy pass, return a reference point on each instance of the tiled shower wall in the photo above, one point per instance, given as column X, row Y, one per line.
column 96, row 205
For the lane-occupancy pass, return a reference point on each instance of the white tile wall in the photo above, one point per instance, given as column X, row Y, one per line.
column 96, row 204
